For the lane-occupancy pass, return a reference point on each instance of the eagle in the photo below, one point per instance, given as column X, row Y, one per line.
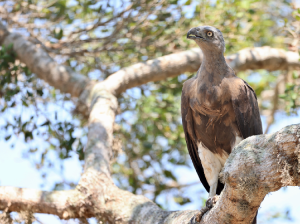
column 218, row 109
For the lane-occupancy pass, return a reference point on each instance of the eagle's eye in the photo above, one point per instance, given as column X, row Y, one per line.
column 209, row 34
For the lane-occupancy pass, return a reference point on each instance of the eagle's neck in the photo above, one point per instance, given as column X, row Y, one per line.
column 213, row 67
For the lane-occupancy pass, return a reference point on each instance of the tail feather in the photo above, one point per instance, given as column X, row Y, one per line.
column 255, row 219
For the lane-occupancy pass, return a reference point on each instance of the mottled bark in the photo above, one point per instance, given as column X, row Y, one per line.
column 55, row 202
column 95, row 195
column 258, row 165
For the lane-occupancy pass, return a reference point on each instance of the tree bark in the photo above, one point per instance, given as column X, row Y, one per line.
column 257, row 166
column 41, row 64
column 189, row 61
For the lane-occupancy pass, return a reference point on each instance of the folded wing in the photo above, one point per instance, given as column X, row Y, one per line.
column 246, row 111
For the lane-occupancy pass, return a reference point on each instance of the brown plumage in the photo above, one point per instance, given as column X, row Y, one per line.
column 218, row 109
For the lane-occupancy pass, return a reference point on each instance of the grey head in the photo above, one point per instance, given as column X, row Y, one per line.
column 208, row 38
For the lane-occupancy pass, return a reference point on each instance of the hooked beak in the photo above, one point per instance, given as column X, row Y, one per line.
column 194, row 34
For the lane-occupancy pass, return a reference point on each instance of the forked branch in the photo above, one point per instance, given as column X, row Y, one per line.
column 257, row 166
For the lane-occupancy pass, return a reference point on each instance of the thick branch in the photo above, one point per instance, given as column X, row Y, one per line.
column 95, row 195
column 189, row 61
column 56, row 202
column 64, row 79
column 257, row 166
column 118, row 207
column 267, row 58
column 154, row 70
column 40, row 63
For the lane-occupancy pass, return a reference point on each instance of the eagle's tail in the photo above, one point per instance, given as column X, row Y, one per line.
column 255, row 219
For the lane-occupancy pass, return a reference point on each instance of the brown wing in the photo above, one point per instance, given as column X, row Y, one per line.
column 246, row 111
column 187, row 122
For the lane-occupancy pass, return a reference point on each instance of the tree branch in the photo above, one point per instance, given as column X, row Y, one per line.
column 40, row 63
column 267, row 58
column 257, row 166
column 64, row 79
column 154, row 70
column 56, row 202
column 95, row 195
column 189, row 61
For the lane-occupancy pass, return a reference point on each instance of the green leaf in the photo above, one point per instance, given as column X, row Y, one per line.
column 188, row 2
column 24, row 103
column 181, row 200
column 45, row 123
column 40, row 92
column 169, row 174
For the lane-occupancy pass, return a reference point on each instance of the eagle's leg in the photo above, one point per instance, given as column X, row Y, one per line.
column 213, row 197
column 212, row 164
column 213, row 189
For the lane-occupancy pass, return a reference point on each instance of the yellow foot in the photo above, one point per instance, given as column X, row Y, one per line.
column 210, row 203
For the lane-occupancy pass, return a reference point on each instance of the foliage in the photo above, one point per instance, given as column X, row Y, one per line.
column 23, row 103
column 291, row 97
column 97, row 38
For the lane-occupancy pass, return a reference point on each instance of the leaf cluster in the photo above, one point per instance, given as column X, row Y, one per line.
column 23, row 106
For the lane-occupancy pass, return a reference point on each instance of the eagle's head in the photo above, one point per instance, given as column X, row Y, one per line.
column 208, row 38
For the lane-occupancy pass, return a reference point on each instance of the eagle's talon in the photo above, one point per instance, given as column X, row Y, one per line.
column 210, row 203
column 197, row 218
